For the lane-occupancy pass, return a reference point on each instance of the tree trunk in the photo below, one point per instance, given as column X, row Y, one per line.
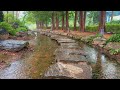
column 84, row 19
column 67, row 23
column 37, row 24
column 63, row 21
column 53, row 21
column 57, row 22
column 7, row 16
column 75, row 20
column 112, row 15
column 102, row 22
column 17, row 14
column 46, row 24
column 82, row 22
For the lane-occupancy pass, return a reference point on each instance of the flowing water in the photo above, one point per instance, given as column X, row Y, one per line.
column 34, row 64
column 102, row 66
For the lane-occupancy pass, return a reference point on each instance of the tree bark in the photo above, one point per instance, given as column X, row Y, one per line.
column 63, row 21
column 82, row 22
column 75, row 20
column 102, row 22
column 53, row 21
column 67, row 23
column 57, row 22
column 112, row 15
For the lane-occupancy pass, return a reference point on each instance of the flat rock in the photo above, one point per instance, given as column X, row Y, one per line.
column 13, row 45
column 67, row 40
column 70, row 58
column 62, row 70
column 70, row 51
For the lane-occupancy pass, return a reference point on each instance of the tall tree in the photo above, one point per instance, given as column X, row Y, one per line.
column 53, row 21
column 63, row 20
column 75, row 20
column 82, row 22
column 112, row 15
column 57, row 21
column 67, row 23
column 102, row 21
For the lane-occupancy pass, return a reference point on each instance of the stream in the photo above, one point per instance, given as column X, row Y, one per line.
column 34, row 64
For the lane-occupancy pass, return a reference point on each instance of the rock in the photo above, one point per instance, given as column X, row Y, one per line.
column 13, row 45
column 70, row 58
column 99, row 41
column 65, row 40
column 70, row 51
column 4, row 34
column 15, row 25
column 112, row 45
column 62, row 70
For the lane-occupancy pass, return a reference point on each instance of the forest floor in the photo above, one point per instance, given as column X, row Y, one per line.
column 78, row 33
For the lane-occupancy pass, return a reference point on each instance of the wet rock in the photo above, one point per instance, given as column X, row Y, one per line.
column 70, row 45
column 4, row 34
column 112, row 45
column 70, row 51
column 62, row 70
column 13, row 45
column 15, row 25
column 99, row 41
column 70, row 58
column 65, row 40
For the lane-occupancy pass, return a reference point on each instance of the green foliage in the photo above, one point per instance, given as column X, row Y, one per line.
column 92, row 28
column 114, row 22
column 114, row 51
column 21, row 29
column 8, row 27
column 114, row 28
column 114, row 38
column 9, row 18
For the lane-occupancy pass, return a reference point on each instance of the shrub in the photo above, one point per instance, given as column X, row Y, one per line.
column 114, row 28
column 21, row 29
column 93, row 28
column 114, row 38
column 8, row 27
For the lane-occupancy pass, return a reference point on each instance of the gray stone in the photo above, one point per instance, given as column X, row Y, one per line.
column 13, row 45
column 62, row 70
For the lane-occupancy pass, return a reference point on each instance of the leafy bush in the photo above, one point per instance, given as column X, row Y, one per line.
column 114, row 38
column 8, row 27
column 114, row 28
column 93, row 28
column 21, row 29
column 114, row 51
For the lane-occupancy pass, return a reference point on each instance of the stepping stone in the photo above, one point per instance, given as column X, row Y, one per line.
column 70, row 58
column 69, row 51
column 62, row 70
column 65, row 41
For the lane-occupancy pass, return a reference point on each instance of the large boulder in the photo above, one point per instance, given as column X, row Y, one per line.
column 4, row 34
column 62, row 70
column 13, row 45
